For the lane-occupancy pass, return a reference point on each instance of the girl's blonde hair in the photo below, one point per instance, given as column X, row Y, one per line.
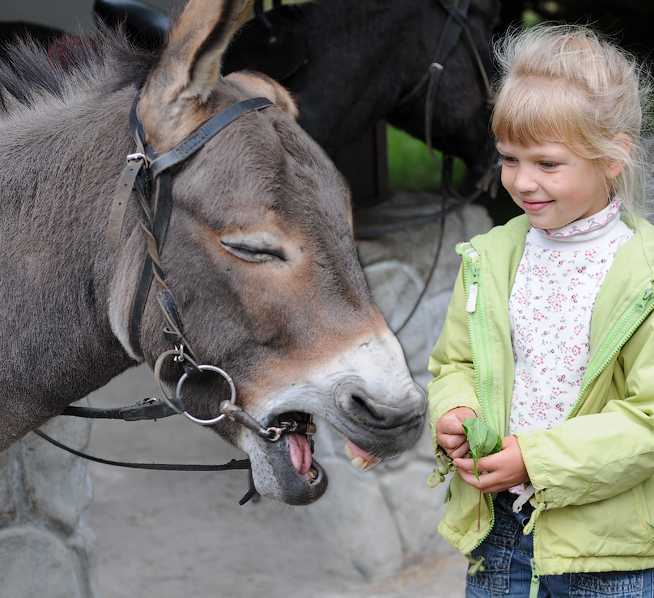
column 565, row 84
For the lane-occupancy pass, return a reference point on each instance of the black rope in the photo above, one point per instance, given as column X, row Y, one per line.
column 439, row 246
column 232, row 465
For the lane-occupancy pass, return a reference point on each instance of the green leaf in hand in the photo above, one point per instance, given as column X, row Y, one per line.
column 483, row 440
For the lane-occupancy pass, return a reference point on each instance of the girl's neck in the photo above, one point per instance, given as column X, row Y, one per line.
column 581, row 233
column 589, row 224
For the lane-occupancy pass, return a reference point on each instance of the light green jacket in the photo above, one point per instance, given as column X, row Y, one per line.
column 593, row 473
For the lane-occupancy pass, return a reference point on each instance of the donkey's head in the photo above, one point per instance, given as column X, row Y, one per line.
column 260, row 258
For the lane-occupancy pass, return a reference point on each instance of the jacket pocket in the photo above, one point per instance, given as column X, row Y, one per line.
column 616, row 526
column 643, row 507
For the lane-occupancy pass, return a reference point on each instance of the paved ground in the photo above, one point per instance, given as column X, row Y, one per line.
column 176, row 534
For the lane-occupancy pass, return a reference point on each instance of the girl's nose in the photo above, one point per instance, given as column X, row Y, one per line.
column 524, row 181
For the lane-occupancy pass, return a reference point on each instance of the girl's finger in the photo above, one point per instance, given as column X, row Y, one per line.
column 464, row 463
column 460, row 451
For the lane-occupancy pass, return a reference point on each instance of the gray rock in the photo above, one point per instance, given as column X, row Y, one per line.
column 46, row 547
column 357, row 524
column 35, row 562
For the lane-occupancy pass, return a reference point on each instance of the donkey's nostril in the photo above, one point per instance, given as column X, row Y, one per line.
column 359, row 406
column 374, row 409
column 366, row 406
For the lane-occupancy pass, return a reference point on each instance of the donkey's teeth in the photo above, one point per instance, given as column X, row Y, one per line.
column 359, row 459
column 359, row 463
column 311, row 475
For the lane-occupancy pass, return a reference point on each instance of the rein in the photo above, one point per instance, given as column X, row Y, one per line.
column 456, row 23
column 149, row 174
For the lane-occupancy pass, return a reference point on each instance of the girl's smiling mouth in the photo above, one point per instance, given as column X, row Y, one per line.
column 535, row 206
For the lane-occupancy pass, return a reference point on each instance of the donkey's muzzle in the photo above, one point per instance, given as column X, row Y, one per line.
column 372, row 411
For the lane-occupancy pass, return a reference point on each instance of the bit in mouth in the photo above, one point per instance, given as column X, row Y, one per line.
column 300, row 446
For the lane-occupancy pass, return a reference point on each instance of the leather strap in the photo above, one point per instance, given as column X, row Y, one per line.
column 138, row 306
column 119, row 205
column 200, row 136
column 155, row 218
column 147, row 410
column 233, row 464
column 457, row 16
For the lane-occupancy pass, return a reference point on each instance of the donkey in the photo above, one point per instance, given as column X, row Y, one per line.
column 259, row 253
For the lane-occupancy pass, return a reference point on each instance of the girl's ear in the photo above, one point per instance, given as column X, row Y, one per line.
column 615, row 167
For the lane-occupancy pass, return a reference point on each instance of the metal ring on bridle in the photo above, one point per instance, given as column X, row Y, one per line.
column 224, row 374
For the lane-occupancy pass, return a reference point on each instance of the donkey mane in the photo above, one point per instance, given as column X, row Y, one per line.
column 103, row 62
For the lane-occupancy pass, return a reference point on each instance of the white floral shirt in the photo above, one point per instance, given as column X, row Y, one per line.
column 551, row 304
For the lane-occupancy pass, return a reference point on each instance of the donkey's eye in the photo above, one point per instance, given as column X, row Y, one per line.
column 251, row 253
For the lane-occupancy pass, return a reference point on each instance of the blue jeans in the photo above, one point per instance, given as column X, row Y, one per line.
column 508, row 554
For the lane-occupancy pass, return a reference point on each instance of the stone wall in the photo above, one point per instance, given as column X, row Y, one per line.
column 46, row 547
column 381, row 520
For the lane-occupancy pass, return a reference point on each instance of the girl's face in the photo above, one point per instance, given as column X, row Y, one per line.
column 552, row 184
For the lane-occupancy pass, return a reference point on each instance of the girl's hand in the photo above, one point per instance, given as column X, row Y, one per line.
column 497, row 472
column 450, row 434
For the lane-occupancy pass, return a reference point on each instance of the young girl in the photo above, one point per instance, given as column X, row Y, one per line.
column 550, row 339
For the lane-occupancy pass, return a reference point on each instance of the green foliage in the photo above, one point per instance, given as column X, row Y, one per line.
column 410, row 167
column 531, row 17
column 483, row 440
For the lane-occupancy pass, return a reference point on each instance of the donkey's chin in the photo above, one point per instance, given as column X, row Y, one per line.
column 281, row 473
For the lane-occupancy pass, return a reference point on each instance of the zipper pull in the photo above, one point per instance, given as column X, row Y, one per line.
column 534, row 586
column 477, row 564
column 647, row 295
column 471, row 305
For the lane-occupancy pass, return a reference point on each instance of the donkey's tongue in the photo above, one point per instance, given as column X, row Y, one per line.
column 359, row 458
column 300, row 450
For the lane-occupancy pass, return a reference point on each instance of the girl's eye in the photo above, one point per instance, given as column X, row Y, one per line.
column 548, row 165
column 509, row 161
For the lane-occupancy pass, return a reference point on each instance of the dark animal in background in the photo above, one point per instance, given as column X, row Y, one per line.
column 350, row 63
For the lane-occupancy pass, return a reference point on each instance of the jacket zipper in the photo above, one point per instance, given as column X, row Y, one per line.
column 479, row 348
column 478, row 332
column 619, row 335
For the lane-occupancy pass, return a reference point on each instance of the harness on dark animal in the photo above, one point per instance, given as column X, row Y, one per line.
column 457, row 16
column 455, row 25
column 149, row 174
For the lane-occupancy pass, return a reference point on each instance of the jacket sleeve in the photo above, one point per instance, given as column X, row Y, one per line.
column 451, row 363
column 593, row 457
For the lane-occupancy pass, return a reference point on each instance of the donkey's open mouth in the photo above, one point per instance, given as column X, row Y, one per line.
column 299, row 441
column 288, row 471
column 300, row 446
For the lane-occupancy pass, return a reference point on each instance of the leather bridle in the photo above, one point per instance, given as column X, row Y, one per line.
column 149, row 174
column 146, row 171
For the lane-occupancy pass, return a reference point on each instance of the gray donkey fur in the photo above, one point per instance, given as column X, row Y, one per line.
column 58, row 134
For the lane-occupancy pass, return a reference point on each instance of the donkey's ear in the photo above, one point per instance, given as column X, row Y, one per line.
column 189, row 66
